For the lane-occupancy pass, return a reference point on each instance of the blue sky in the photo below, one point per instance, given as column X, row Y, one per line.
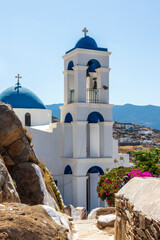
column 35, row 34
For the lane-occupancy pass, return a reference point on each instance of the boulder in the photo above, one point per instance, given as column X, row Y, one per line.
column 21, row 151
column 100, row 211
column 106, row 221
column 13, row 140
column 8, row 192
column 82, row 212
column 20, row 159
column 71, row 211
column 10, row 126
column 19, row 221
column 31, row 186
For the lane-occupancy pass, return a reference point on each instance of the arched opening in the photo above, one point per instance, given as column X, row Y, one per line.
column 68, row 118
column 92, row 95
column 91, row 194
column 93, row 64
column 68, row 185
column 70, row 65
column 96, row 169
column 67, row 170
column 95, row 117
column 28, row 119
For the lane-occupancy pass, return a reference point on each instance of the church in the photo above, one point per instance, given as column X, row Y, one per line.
column 79, row 148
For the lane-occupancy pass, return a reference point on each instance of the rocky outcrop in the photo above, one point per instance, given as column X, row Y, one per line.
column 19, row 221
column 21, row 162
column 13, row 141
column 138, row 210
column 96, row 212
column 8, row 192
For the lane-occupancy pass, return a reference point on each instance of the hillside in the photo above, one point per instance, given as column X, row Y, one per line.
column 148, row 116
column 135, row 137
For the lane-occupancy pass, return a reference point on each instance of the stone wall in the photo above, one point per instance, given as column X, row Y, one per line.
column 138, row 210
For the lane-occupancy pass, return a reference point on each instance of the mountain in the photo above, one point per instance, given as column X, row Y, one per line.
column 55, row 109
column 148, row 116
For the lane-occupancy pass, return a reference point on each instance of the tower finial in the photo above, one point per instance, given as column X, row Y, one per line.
column 85, row 31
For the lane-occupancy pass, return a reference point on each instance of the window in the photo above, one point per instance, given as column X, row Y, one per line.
column 28, row 119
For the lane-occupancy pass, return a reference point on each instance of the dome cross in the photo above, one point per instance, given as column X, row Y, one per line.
column 18, row 83
column 85, row 31
column 18, row 76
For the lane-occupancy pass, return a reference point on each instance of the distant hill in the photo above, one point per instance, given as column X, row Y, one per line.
column 55, row 109
column 148, row 116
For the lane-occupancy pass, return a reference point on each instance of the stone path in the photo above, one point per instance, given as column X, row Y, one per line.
column 87, row 230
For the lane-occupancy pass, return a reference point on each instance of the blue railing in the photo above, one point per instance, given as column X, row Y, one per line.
column 92, row 95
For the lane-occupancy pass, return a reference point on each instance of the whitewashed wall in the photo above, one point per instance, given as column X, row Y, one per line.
column 38, row 116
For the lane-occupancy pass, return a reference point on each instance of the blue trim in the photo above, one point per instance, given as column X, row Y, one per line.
column 87, row 43
column 68, row 118
column 96, row 169
column 70, row 65
column 68, row 170
column 95, row 117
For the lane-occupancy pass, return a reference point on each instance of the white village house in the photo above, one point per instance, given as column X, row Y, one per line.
column 80, row 147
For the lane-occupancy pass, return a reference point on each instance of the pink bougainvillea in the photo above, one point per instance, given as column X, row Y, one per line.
column 139, row 173
column 111, row 182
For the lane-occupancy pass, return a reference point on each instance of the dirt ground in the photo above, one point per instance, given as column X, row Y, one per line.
column 87, row 230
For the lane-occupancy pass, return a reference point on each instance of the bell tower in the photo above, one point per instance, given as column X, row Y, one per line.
column 86, row 117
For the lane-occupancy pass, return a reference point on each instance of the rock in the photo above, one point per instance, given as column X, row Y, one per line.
column 82, row 212
column 20, row 159
column 10, row 127
column 8, row 161
column 13, row 139
column 58, row 217
column 100, row 211
column 38, row 223
column 30, row 185
column 21, row 151
column 106, row 221
column 71, row 211
column 8, row 192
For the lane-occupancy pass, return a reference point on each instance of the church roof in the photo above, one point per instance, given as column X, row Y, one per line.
column 87, row 42
column 21, row 97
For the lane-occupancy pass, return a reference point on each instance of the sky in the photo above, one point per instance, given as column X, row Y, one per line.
column 35, row 34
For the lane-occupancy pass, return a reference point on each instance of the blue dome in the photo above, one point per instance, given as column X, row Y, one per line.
column 21, row 97
column 87, row 42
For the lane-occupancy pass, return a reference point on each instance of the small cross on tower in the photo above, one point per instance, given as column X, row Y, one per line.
column 85, row 31
column 18, row 76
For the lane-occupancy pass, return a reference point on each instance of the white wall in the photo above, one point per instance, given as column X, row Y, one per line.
column 38, row 116
column 94, row 144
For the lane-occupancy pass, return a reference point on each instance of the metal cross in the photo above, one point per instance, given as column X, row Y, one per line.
column 85, row 31
column 18, row 76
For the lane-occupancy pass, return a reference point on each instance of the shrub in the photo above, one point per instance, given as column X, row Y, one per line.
column 110, row 183
column 148, row 160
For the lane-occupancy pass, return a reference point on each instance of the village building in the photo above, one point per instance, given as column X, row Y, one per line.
column 80, row 147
